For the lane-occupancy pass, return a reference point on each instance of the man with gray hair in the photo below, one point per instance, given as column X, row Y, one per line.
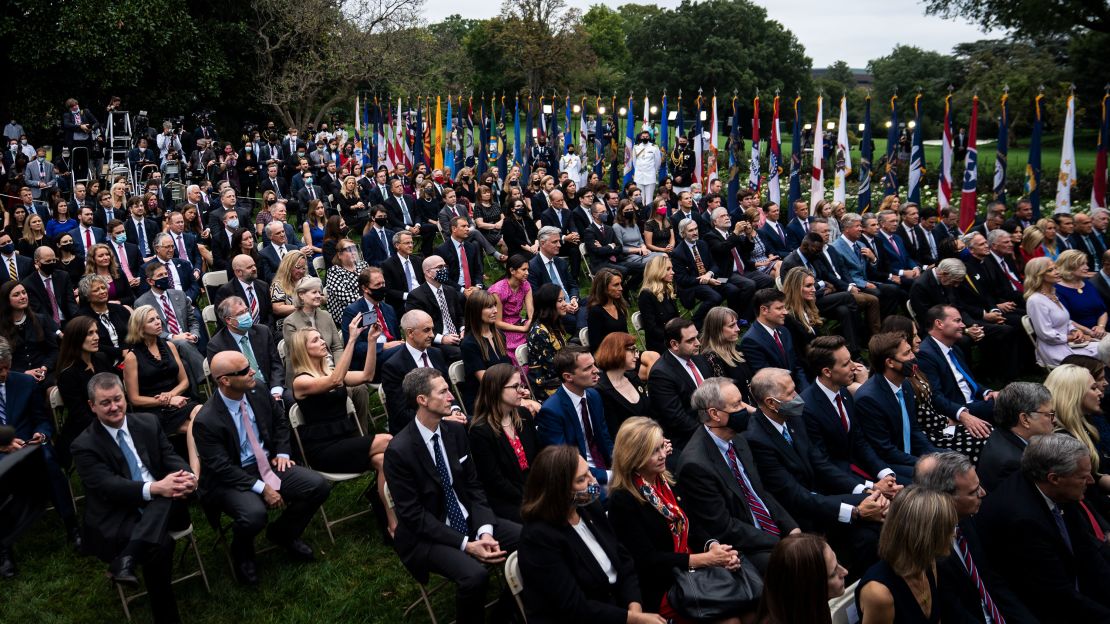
column 442, row 302
column 49, row 291
column 1000, row 266
column 1022, row 409
column 698, row 279
column 558, row 216
column 1038, row 535
column 179, row 272
column 273, row 252
column 719, row 482
column 255, row 341
column 980, row 594
column 546, row 267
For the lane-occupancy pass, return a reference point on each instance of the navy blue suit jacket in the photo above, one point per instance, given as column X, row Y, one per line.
column 188, row 285
column 361, row 306
column 773, row 243
column 843, row 448
column 881, row 419
column 23, row 265
column 686, row 271
column 26, row 411
column 559, row 423
column 98, row 236
column 795, row 232
column 947, row 397
column 760, row 351
column 538, row 276
column 372, row 250
column 896, row 260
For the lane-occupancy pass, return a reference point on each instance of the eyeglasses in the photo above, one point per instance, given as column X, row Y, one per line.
column 1051, row 415
column 633, row 350
column 345, row 249
column 515, row 386
column 240, row 373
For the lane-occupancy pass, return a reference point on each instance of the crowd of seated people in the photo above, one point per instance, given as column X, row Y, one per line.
column 766, row 420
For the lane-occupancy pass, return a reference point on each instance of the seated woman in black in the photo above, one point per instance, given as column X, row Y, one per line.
column 720, row 337
column 155, row 378
column 484, row 344
column 546, row 338
column 519, row 231
column 503, row 439
column 648, row 516
column 621, row 388
column 332, row 440
column 79, row 358
column 606, row 309
column 111, row 318
column 657, row 302
column 33, row 337
column 573, row 567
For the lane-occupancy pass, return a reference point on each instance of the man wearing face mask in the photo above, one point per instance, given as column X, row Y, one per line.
column 820, row 496
column 719, row 482
column 444, row 303
column 49, row 291
column 78, row 125
column 249, row 288
column 887, row 406
column 682, row 165
column 371, row 283
column 221, row 239
column 39, row 175
column 646, row 161
column 377, row 241
column 542, row 156
column 177, row 313
column 13, row 265
column 255, row 341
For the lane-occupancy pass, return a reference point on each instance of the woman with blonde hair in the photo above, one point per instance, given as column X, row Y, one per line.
column 333, row 441
column 657, row 301
column 1057, row 335
column 155, row 378
column 891, row 202
column 33, row 236
column 803, row 318
column 1078, row 294
column 720, row 335
column 1051, row 245
column 647, row 515
column 99, row 260
column 1030, row 247
column 293, row 267
column 1076, row 397
column 901, row 587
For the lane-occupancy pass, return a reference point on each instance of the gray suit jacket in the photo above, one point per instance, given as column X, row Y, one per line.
column 34, row 176
column 182, row 307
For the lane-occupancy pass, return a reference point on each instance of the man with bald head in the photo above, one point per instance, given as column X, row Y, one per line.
column 417, row 352
column 443, row 303
column 569, row 237
column 247, row 286
column 242, row 439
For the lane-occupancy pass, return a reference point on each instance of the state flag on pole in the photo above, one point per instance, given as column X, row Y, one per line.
column 795, row 191
column 890, row 177
column 944, row 183
column 774, row 165
column 629, row 141
column 753, row 175
column 1001, row 155
column 711, row 168
column 699, row 144
column 863, row 204
column 968, row 205
column 1098, row 189
column 1068, row 176
column 1033, row 164
column 843, row 155
column 917, row 155
column 817, row 174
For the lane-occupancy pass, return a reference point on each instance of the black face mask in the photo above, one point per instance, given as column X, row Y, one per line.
column 344, row 230
column 47, row 268
column 67, row 247
column 377, row 294
column 382, row 221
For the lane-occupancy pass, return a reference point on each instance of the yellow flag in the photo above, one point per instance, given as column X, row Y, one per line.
column 439, row 135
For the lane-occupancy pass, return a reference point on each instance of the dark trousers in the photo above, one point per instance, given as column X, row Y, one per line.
column 22, row 492
column 60, row 493
column 761, row 279
column 711, row 296
column 303, row 491
column 470, row 576
column 842, row 306
column 153, row 549
column 745, row 289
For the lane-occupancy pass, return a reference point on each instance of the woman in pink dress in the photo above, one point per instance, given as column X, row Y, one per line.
column 514, row 295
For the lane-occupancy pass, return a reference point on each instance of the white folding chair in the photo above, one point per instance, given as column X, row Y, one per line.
column 515, row 583
column 318, row 266
column 584, row 336
column 207, row 381
column 281, row 350
column 843, row 608
column 212, row 281
column 457, row 373
column 909, row 308
column 522, row 355
column 1027, row 325
column 208, row 315
column 177, row 536
column 585, row 260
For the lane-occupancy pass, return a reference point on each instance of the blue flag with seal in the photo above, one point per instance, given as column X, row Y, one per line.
column 1002, row 152
column 866, row 154
column 1033, row 165
column 890, row 177
column 917, row 156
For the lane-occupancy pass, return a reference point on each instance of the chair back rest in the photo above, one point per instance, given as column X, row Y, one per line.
column 843, row 609
column 584, row 336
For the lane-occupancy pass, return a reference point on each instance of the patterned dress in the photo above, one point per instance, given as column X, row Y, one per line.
column 542, row 347
column 934, row 424
column 342, row 287
column 512, row 305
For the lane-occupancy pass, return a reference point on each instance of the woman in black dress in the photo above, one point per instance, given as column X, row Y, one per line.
column 503, row 439
column 332, row 439
column 621, row 387
column 606, row 309
column 33, row 337
column 155, row 378
column 79, row 358
column 68, row 260
column 352, row 207
column 484, row 344
column 519, row 231
column 657, row 302
column 720, row 335
column 101, row 260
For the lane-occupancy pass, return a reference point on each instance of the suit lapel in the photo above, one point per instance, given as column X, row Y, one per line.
column 423, row 457
column 715, row 459
column 113, row 450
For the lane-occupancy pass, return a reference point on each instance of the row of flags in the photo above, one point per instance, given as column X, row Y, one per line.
column 398, row 136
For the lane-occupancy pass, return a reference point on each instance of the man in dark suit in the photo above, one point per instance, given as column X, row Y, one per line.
column 830, row 413
column 946, row 225
column 604, row 250
column 798, row 227
column 546, row 267
column 49, row 291
column 674, row 377
column 895, row 258
column 1085, row 239
column 731, row 244
column 127, row 255
column 1000, row 278
column 87, row 234
column 403, row 270
column 229, row 203
column 1038, row 537
column 402, row 212
column 886, row 405
column 222, row 237
column 684, row 210
column 775, row 239
column 273, row 252
column 820, row 496
column 10, row 260
column 722, row 491
column 966, row 573
column 1023, row 409
column 309, row 192
column 977, row 292
column 184, row 243
column 442, row 302
column 697, row 279
column 464, row 264
column 256, row 343
column 574, row 416
column 835, row 296
column 377, row 242
column 242, row 440
column 135, row 491
column 273, row 181
column 140, row 230
column 416, row 352
column 956, row 394
column 444, row 523
column 913, row 235
column 371, row 285
column 249, row 288
column 767, row 343
column 558, row 216
column 379, row 191
column 182, row 274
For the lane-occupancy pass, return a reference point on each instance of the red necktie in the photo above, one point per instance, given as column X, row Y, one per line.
column 56, row 312
column 381, row 323
column 840, row 408
column 171, row 319
column 88, row 240
column 738, row 261
column 973, row 572
column 894, row 244
column 694, row 371
column 778, row 341
column 591, row 440
column 465, row 265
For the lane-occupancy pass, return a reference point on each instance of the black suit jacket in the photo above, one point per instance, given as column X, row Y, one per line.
column 113, row 501
column 962, row 594
column 947, row 396
column 282, row 187
column 262, row 293
column 538, row 275
column 63, row 293
column 671, row 386
column 761, row 351
column 1000, row 457
column 400, row 411
column 686, row 269
column 825, row 430
column 1023, row 543
column 563, row 581
column 217, row 440
column 150, row 228
column 927, row 292
column 119, row 317
column 548, row 217
column 424, row 298
column 721, row 248
column 715, row 502
column 451, row 257
column 397, row 216
column 799, row 475
column 646, row 535
column 999, row 286
column 498, row 467
column 602, row 247
column 265, row 351
column 374, row 253
column 418, row 497
column 132, row 257
column 881, row 418
column 396, row 284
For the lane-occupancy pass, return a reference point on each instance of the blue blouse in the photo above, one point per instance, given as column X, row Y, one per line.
column 1084, row 304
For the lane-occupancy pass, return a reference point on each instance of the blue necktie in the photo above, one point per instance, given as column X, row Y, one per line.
column 905, row 422
column 128, row 456
column 1058, row 516
column 970, row 382
column 786, row 434
column 142, row 236
column 3, row 407
column 455, row 517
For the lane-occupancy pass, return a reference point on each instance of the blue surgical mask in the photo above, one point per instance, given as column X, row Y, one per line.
column 232, row 224
column 244, row 321
column 121, row 238
column 588, row 495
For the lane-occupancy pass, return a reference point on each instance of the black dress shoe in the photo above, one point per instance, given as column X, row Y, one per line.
column 246, row 572
column 122, row 571
column 301, row 551
column 7, row 563
column 73, row 534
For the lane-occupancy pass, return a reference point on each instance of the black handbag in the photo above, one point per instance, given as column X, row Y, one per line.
column 714, row 593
